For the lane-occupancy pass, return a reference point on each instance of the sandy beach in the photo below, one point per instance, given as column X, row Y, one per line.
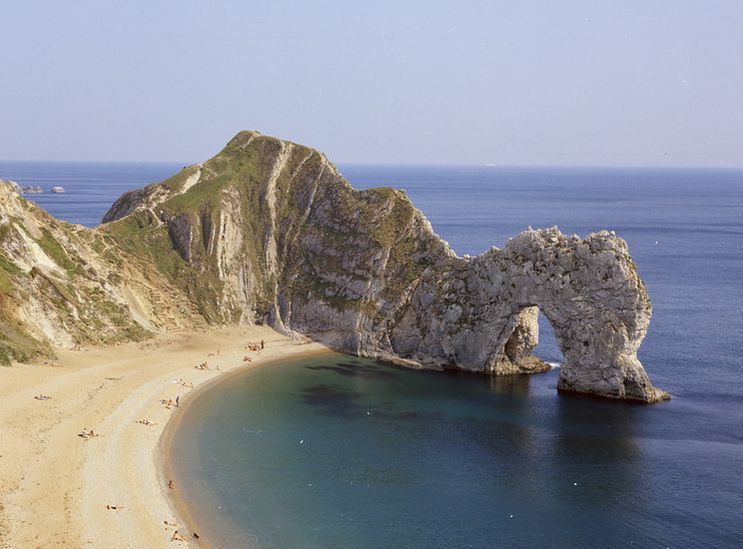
column 58, row 488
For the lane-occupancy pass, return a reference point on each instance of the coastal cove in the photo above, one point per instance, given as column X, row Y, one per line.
column 58, row 488
column 336, row 451
column 677, row 462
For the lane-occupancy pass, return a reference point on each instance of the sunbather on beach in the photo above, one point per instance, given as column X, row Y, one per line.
column 87, row 434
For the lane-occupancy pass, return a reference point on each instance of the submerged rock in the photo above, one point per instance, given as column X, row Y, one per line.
column 269, row 231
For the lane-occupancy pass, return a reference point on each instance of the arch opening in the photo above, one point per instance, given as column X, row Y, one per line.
column 548, row 348
column 530, row 345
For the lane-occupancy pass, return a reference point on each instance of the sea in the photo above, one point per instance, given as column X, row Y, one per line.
column 334, row 451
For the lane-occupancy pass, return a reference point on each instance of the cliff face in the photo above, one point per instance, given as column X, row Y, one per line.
column 63, row 284
column 268, row 231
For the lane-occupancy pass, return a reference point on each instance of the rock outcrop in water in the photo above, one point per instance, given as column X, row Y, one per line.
column 269, row 231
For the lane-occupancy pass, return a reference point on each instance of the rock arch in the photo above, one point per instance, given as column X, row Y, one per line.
column 480, row 314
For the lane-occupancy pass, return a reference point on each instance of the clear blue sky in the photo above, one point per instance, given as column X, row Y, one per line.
column 597, row 82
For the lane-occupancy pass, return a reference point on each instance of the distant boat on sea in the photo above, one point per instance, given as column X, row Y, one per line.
column 58, row 190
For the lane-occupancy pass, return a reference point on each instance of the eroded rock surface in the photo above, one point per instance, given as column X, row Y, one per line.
column 269, row 231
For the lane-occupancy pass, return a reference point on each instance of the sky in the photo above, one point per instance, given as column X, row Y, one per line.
column 599, row 82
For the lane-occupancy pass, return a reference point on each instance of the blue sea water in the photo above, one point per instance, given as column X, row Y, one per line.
column 395, row 458
column 90, row 187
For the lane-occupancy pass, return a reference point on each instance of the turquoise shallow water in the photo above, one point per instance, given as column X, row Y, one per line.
column 337, row 451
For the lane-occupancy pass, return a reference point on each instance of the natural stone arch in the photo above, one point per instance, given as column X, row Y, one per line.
column 480, row 314
column 597, row 305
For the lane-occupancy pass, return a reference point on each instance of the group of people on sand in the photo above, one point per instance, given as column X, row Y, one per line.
column 88, row 434
column 205, row 366
column 170, row 403
column 177, row 536
column 42, row 397
column 186, row 384
column 146, row 422
column 256, row 346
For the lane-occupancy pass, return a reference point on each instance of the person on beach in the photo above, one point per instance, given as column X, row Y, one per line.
column 178, row 401
column 87, row 434
column 171, row 485
column 263, row 344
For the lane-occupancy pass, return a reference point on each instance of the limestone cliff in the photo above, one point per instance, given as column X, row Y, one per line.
column 269, row 231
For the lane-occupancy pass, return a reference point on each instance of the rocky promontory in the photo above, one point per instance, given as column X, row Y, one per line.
column 268, row 231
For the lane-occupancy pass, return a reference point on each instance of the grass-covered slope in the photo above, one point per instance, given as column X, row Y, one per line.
column 267, row 229
column 64, row 285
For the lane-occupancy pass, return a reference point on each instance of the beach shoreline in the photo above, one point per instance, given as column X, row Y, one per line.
column 164, row 448
column 112, row 489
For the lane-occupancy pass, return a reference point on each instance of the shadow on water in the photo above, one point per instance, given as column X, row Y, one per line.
column 355, row 369
column 593, row 431
column 602, row 468
column 340, row 402
column 333, row 400
column 516, row 385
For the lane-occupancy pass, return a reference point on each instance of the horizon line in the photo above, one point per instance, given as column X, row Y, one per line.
column 492, row 165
